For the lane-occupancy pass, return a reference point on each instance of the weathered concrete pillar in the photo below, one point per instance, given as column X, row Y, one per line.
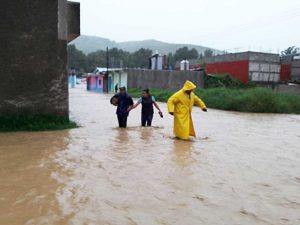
column 33, row 55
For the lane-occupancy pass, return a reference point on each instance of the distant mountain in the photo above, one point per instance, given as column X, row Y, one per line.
column 89, row 44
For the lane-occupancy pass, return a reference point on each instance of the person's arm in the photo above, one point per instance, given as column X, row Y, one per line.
column 200, row 103
column 135, row 105
column 156, row 106
column 130, row 104
column 173, row 100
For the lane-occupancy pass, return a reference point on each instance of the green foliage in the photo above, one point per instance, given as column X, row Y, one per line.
column 208, row 53
column 171, row 59
column 186, row 53
column 224, row 80
column 259, row 100
column 34, row 122
column 117, row 58
column 77, row 59
column 96, row 59
column 140, row 58
column 293, row 50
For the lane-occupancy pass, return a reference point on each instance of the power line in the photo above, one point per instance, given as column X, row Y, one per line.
column 256, row 24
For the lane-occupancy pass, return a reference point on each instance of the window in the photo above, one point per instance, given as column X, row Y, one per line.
column 100, row 82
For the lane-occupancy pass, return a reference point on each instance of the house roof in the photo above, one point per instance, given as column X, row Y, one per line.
column 100, row 70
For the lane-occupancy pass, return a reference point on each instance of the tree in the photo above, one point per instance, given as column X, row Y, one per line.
column 193, row 54
column 293, row 50
column 171, row 60
column 208, row 53
column 140, row 58
column 118, row 57
column 185, row 53
column 77, row 59
column 201, row 56
column 96, row 59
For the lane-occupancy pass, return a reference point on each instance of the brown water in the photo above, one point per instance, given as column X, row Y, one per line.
column 242, row 169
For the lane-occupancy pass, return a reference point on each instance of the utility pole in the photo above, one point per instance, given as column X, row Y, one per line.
column 107, row 67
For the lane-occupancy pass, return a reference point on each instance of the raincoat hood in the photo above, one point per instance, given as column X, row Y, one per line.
column 189, row 86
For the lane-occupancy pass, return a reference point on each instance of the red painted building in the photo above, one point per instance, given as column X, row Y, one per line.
column 237, row 69
column 285, row 72
column 290, row 68
column 246, row 66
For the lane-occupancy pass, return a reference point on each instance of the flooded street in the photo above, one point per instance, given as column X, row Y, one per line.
column 242, row 169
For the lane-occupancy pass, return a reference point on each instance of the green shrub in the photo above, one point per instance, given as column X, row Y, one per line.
column 34, row 122
column 260, row 100
column 224, row 80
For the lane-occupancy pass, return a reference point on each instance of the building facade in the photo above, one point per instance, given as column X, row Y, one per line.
column 33, row 55
column 95, row 83
column 246, row 66
column 100, row 82
column 158, row 62
column 117, row 78
column 142, row 79
column 290, row 68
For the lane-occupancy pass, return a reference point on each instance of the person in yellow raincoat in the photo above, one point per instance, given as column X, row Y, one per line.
column 180, row 105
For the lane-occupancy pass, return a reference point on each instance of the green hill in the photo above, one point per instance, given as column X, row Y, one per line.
column 89, row 44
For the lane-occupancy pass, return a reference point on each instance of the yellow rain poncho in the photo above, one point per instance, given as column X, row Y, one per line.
column 181, row 104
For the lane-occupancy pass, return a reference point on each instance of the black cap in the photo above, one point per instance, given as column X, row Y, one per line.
column 122, row 88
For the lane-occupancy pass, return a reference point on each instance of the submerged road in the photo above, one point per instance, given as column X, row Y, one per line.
column 242, row 169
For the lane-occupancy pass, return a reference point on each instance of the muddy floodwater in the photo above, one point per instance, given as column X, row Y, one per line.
column 242, row 169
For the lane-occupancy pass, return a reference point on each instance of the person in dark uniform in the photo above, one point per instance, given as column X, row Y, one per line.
column 124, row 104
column 147, row 101
column 116, row 88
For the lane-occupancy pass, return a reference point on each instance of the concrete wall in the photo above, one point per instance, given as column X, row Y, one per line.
column 73, row 20
column 291, row 89
column 227, row 58
column 264, row 71
column 33, row 57
column 264, row 67
column 290, row 68
column 251, row 56
column 295, row 73
column 264, row 57
column 118, row 77
column 165, row 79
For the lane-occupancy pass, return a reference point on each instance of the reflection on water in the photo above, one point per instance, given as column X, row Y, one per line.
column 241, row 169
column 27, row 189
column 183, row 151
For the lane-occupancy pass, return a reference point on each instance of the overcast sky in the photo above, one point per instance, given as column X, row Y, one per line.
column 267, row 25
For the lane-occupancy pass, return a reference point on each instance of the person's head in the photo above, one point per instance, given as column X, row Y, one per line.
column 188, row 91
column 123, row 90
column 146, row 93
column 189, row 87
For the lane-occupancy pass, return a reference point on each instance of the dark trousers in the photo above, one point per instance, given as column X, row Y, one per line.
column 122, row 121
column 147, row 120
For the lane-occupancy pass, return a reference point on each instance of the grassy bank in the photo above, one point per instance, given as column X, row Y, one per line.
column 29, row 122
column 260, row 100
